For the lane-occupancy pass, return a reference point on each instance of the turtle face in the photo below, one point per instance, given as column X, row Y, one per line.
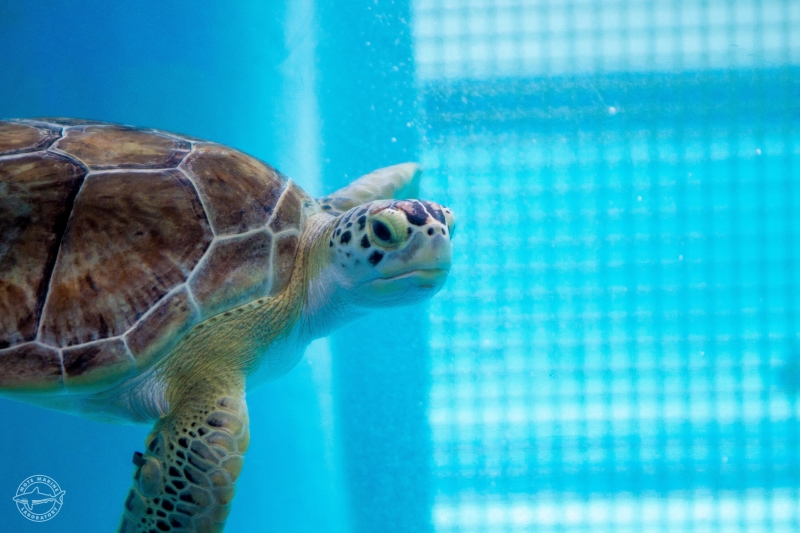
column 392, row 252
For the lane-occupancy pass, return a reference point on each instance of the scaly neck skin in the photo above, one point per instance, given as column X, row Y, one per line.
column 327, row 305
column 232, row 344
column 237, row 341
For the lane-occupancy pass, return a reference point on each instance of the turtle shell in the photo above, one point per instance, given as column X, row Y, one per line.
column 115, row 241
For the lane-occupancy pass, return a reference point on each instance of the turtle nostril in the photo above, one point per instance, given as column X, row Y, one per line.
column 430, row 231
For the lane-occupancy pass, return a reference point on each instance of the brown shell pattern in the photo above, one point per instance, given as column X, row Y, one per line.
column 115, row 241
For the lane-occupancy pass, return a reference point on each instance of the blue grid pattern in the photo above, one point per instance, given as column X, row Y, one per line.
column 617, row 347
column 500, row 38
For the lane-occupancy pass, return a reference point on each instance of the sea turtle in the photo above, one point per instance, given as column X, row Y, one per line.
column 147, row 276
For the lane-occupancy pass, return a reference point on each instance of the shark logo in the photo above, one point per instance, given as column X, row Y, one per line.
column 39, row 498
column 34, row 497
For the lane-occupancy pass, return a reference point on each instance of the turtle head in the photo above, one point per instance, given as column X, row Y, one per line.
column 392, row 252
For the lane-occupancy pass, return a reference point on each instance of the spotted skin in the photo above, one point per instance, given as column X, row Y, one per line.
column 356, row 243
column 184, row 481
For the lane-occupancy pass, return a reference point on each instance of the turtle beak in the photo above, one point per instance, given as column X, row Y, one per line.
column 406, row 255
column 434, row 256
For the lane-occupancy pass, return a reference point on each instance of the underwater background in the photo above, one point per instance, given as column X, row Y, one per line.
column 616, row 349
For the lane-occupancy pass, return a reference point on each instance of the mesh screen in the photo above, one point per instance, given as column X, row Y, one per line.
column 616, row 349
column 489, row 38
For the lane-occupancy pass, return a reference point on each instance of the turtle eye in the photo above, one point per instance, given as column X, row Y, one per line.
column 388, row 228
column 381, row 231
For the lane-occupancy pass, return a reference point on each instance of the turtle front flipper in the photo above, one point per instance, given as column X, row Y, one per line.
column 396, row 182
column 184, row 482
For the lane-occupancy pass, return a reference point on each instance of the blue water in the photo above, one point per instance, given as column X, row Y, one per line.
column 216, row 72
column 241, row 75
column 616, row 348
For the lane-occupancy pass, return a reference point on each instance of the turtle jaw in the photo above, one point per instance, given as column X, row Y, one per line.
column 412, row 286
column 425, row 264
column 408, row 275
column 427, row 277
